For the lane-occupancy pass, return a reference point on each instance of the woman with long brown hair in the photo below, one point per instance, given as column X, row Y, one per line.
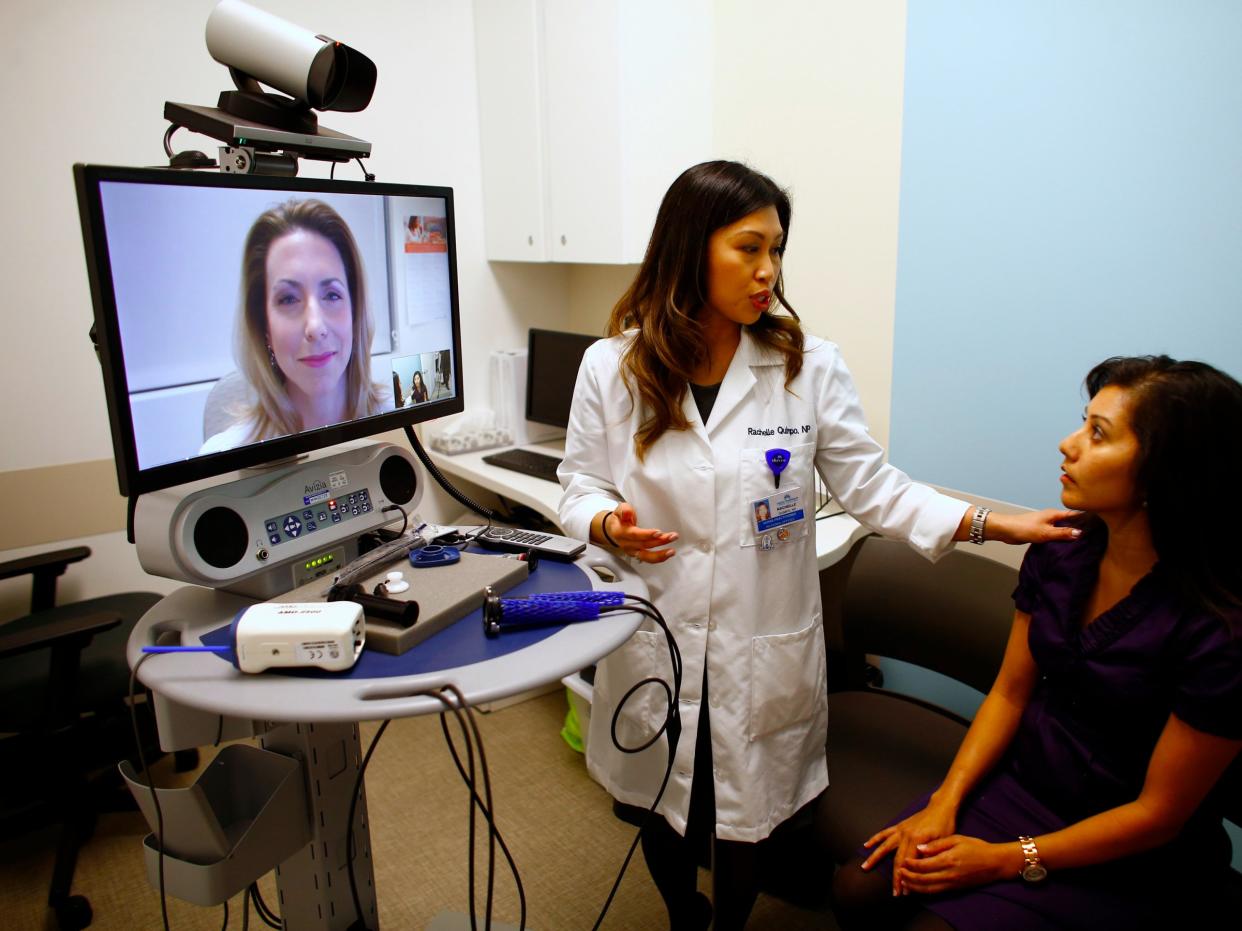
column 701, row 421
column 304, row 334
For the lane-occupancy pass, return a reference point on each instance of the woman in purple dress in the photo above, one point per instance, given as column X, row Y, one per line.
column 1083, row 793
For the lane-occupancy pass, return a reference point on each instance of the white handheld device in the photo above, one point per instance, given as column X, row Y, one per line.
column 327, row 635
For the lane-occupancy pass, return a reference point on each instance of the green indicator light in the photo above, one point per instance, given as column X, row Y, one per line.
column 320, row 561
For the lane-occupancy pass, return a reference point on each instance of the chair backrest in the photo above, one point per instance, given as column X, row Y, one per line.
column 952, row 616
column 225, row 403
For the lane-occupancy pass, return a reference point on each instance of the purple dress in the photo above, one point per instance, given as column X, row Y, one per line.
column 1103, row 697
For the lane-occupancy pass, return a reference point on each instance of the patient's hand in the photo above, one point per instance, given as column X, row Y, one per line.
column 958, row 862
column 935, row 821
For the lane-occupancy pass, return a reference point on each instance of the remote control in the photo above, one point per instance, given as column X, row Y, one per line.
column 546, row 545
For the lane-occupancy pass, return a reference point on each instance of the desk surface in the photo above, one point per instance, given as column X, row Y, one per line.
column 483, row 671
column 833, row 535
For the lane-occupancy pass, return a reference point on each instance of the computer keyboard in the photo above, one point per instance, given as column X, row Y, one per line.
column 525, row 461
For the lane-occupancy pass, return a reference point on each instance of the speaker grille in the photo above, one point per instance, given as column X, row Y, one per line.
column 398, row 480
column 220, row 537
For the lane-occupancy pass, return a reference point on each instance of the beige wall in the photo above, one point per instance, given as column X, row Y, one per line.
column 812, row 95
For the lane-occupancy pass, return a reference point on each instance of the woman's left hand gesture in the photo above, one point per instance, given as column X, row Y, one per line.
column 958, row 862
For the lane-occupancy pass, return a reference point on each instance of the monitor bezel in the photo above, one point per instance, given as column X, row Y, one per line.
column 531, row 336
column 133, row 480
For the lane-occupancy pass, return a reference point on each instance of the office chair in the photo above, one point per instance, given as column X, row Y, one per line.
column 226, row 401
column 64, row 716
column 885, row 748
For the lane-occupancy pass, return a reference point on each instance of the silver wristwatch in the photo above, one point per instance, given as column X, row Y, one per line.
column 977, row 523
column 1034, row 871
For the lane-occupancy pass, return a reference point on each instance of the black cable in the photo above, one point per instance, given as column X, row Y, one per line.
column 262, row 909
column 454, row 701
column 219, row 731
column 471, row 783
column 444, row 483
column 487, row 813
column 332, row 171
column 353, row 807
column 246, row 910
column 146, row 775
column 131, row 505
column 366, row 175
column 820, row 517
column 827, row 501
column 671, row 726
column 487, row 791
column 225, row 926
column 405, row 518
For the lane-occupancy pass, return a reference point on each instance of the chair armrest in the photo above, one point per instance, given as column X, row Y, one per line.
column 46, row 569
column 922, row 703
column 47, row 635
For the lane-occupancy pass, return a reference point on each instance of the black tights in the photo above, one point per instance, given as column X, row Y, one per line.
column 864, row 901
column 673, row 860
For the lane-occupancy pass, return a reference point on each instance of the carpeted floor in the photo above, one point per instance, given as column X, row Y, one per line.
column 557, row 822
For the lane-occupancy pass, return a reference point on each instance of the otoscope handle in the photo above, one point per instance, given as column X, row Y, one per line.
column 518, row 612
column 599, row 598
column 501, row 614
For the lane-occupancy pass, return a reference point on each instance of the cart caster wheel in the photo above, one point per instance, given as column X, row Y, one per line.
column 74, row 914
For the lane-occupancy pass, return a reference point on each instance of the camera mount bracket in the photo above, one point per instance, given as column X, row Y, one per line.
column 255, row 148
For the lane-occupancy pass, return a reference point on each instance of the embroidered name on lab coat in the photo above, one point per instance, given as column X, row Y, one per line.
column 775, row 431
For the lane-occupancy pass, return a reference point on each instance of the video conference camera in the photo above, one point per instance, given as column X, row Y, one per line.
column 266, row 131
column 316, row 72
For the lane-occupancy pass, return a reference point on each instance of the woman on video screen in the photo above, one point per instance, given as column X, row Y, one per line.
column 418, row 390
column 304, row 335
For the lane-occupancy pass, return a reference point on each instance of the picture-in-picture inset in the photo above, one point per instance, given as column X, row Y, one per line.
column 422, row 377
column 425, row 234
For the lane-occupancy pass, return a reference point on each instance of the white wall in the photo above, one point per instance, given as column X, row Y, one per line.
column 93, row 78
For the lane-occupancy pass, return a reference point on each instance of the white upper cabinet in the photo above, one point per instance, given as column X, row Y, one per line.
column 588, row 110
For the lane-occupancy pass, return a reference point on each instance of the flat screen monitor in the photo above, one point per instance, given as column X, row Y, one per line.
column 243, row 319
column 552, row 361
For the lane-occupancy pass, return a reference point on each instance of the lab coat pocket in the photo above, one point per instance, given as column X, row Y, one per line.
column 758, row 487
column 787, row 679
column 644, row 655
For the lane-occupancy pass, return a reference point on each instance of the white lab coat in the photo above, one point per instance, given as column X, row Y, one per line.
column 752, row 615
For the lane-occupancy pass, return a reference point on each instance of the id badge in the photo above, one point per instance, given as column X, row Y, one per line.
column 778, row 518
